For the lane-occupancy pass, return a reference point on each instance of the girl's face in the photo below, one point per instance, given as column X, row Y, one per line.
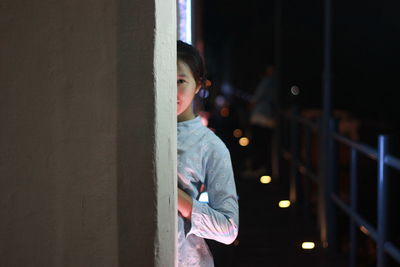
column 187, row 89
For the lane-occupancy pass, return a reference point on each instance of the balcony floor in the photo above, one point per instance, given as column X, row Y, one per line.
column 272, row 236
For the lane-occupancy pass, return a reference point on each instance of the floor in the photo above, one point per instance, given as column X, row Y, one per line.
column 269, row 235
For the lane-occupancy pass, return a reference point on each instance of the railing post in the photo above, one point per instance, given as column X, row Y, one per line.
column 294, row 147
column 354, row 207
column 321, row 189
column 327, row 186
column 382, row 200
column 331, row 184
column 325, row 127
column 276, row 148
column 308, row 165
column 277, row 142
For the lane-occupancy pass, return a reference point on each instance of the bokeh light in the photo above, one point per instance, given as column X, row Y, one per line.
column 224, row 112
column 265, row 179
column 204, row 93
column 237, row 133
column 308, row 245
column 295, row 90
column 284, row 204
column 244, row 141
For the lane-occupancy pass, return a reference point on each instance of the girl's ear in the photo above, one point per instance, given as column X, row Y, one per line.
column 198, row 88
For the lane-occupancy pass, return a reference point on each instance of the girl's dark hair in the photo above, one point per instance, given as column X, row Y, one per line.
column 192, row 57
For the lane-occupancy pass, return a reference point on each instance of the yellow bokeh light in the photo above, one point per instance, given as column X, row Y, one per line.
column 284, row 204
column 237, row 133
column 308, row 245
column 265, row 179
column 244, row 141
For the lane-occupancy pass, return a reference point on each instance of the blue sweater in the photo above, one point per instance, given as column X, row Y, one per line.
column 203, row 159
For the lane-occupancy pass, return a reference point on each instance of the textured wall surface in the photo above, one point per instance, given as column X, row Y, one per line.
column 147, row 132
column 83, row 166
column 165, row 81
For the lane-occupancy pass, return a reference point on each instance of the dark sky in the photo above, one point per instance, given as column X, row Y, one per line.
column 239, row 41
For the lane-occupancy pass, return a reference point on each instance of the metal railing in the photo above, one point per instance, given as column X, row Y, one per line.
column 380, row 155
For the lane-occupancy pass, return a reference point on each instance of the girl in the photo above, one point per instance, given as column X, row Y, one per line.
column 203, row 164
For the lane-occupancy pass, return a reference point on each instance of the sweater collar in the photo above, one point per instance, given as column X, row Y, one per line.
column 193, row 123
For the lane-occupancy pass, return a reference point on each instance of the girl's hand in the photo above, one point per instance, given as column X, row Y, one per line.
column 185, row 204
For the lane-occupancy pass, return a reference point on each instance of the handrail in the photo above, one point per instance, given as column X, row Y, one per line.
column 367, row 150
column 388, row 246
column 361, row 147
column 360, row 221
column 306, row 171
column 392, row 250
column 392, row 162
column 304, row 121
column 383, row 159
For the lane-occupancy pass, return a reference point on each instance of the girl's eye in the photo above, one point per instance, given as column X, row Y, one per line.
column 180, row 81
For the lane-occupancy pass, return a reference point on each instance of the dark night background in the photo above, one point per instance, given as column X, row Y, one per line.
column 239, row 41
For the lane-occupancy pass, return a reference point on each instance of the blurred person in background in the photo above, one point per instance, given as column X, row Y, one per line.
column 263, row 121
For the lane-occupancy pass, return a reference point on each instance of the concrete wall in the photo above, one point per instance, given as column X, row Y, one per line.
column 87, row 139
